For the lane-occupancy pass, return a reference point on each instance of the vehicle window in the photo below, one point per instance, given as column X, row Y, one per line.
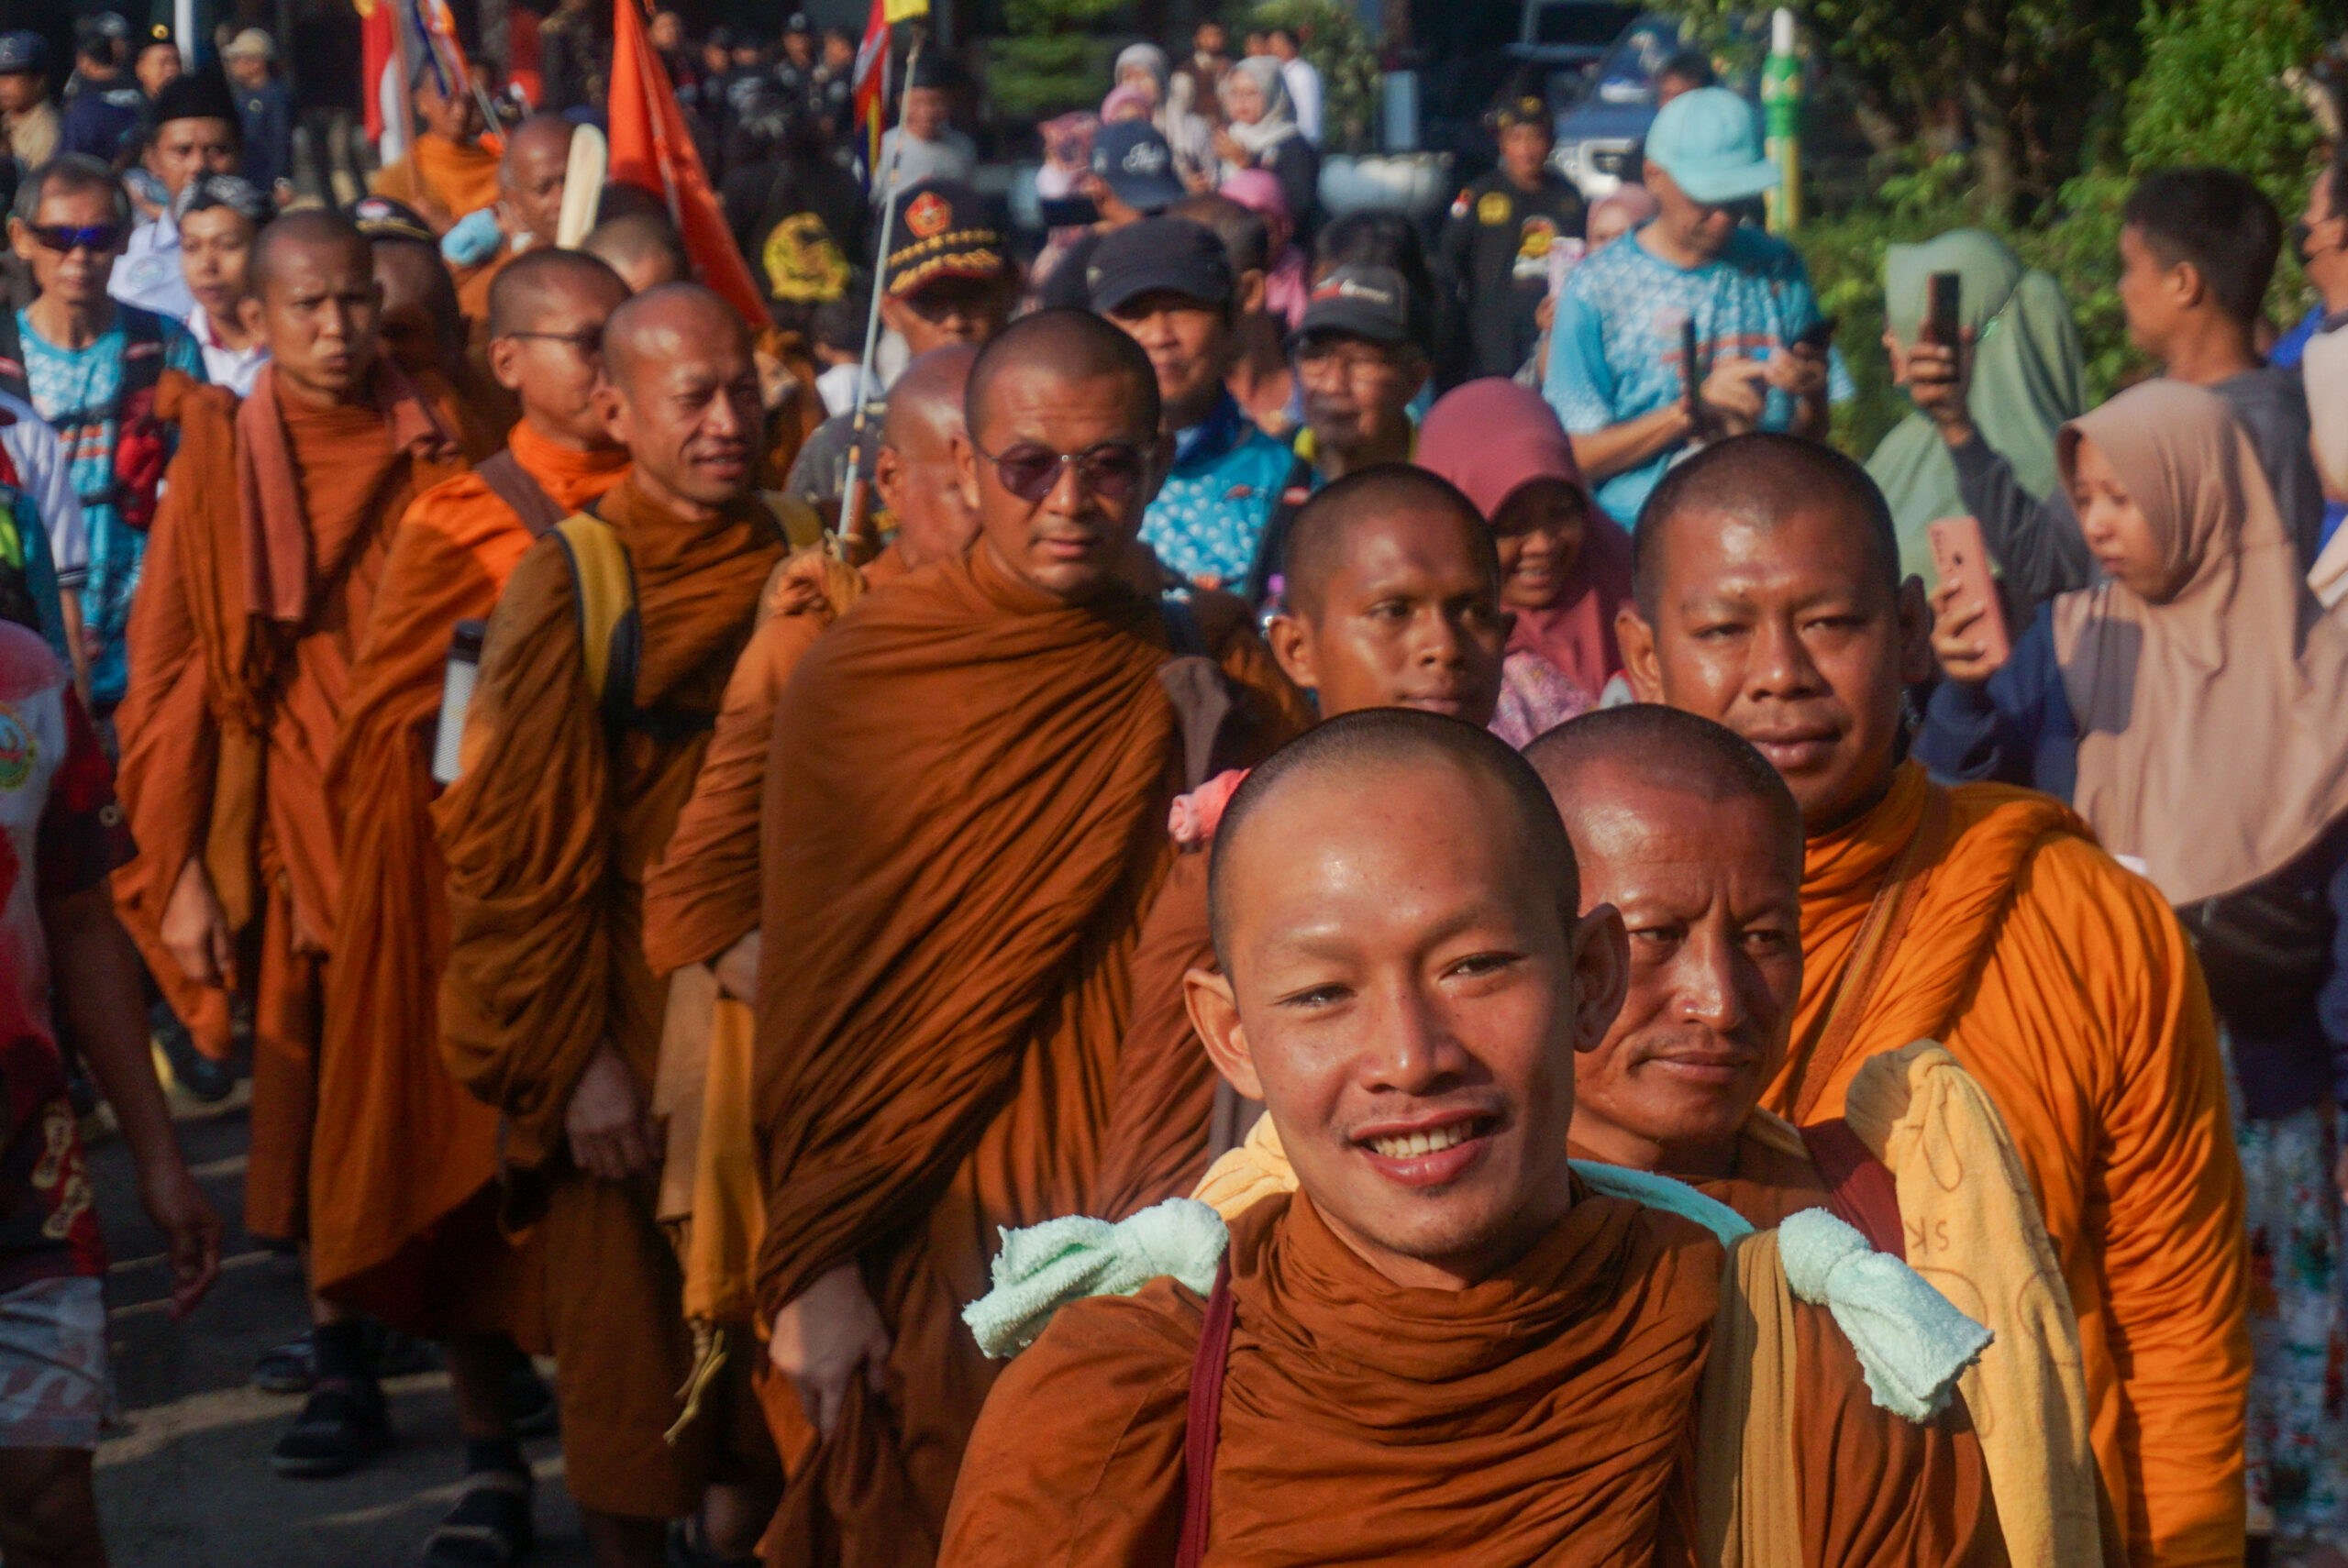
column 1579, row 22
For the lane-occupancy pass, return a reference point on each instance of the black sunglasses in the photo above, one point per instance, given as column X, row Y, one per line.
column 1111, row 469
column 101, row 237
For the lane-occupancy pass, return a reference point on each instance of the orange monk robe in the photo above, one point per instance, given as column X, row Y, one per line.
column 546, row 838
column 2065, row 986
column 701, row 895
column 1547, row 1414
column 244, row 631
column 398, row 1225
column 460, row 177
column 964, row 830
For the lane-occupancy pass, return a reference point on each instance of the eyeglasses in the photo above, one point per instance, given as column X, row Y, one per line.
column 589, row 340
column 1030, row 470
column 100, row 237
column 1352, row 358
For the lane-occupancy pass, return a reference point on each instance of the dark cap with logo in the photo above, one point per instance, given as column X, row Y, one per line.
column 1137, row 165
column 22, row 52
column 943, row 230
column 379, row 217
column 1160, row 254
column 1355, row 301
column 1523, row 110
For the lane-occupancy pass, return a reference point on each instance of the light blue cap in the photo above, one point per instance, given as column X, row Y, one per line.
column 1708, row 141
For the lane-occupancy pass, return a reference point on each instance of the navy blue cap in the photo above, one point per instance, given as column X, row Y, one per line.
column 1160, row 254
column 104, row 24
column 23, row 51
column 1137, row 164
column 1359, row 300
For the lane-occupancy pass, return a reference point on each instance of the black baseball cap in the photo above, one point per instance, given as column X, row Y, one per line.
column 21, row 52
column 1522, row 110
column 1161, row 254
column 943, row 230
column 1137, row 165
column 1356, row 300
column 379, row 217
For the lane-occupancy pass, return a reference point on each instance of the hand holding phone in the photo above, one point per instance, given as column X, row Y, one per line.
column 1969, row 634
column 1945, row 296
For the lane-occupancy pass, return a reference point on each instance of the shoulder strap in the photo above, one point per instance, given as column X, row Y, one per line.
column 142, row 352
column 1203, row 1425
column 1182, row 632
column 609, row 637
column 14, row 378
column 511, row 483
column 1860, row 1189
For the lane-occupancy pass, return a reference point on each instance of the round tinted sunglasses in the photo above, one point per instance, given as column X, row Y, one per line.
column 1109, row 470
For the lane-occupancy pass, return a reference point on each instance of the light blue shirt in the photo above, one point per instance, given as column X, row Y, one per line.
column 1225, row 481
column 1615, row 348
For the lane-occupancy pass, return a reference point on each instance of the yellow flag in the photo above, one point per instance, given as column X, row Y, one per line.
column 905, row 10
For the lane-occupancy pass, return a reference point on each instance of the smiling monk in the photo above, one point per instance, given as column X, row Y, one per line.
column 1443, row 1345
column 1767, row 596
column 547, row 1009
column 965, row 795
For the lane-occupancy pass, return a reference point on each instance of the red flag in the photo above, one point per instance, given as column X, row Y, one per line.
column 651, row 149
column 379, row 57
column 870, row 80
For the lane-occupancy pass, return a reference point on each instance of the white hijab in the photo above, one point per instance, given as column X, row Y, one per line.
column 1278, row 123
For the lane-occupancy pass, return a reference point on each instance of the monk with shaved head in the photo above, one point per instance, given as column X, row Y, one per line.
column 404, row 1215
column 642, row 247
column 1445, row 1343
column 575, row 762
column 530, row 178
column 261, row 580
column 1768, row 597
column 962, row 840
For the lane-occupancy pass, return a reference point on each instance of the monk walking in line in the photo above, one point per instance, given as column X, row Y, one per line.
column 262, row 575
column 965, row 795
column 530, row 178
column 1767, row 596
column 1445, row 1345
column 576, row 761
column 403, row 1223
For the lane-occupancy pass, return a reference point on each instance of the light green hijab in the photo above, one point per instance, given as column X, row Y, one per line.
column 2027, row 379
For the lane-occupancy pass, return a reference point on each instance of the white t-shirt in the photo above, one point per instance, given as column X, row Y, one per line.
column 232, row 368
column 147, row 274
column 46, row 478
column 951, row 156
column 1303, row 84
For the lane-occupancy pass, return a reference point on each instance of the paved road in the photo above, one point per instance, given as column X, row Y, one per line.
column 188, row 1485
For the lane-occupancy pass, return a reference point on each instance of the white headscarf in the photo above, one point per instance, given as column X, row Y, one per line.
column 1278, row 123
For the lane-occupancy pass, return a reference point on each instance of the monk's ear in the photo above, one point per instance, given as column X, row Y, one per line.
column 253, row 319
column 1636, row 639
column 1292, row 644
column 966, row 471
column 889, row 478
column 1601, row 975
column 1915, row 620
column 502, row 354
column 1215, row 1015
column 612, row 409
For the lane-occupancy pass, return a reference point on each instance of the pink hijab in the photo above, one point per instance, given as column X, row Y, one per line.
column 1491, row 437
column 1286, row 285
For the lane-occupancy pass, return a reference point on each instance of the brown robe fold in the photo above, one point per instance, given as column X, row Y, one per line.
column 546, row 839
column 965, row 824
column 242, row 639
column 701, row 895
column 396, row 1230
column 1547, row 1414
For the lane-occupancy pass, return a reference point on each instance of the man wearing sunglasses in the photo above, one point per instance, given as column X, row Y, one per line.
column 948, row 279
column 964, row 797
column 396, row 1219
column 1167, row 282
column 91, row 367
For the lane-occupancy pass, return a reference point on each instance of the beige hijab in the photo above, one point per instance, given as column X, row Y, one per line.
column 2213, row 729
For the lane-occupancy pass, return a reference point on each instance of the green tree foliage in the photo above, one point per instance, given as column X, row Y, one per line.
column 1331, row 36
column 1048, row 61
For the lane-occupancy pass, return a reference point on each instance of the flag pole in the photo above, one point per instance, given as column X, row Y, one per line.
column 851, row 490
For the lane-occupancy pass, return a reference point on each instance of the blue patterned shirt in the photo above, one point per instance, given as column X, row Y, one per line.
column 1209, row 517
column 77, row 390
column 1615, row 348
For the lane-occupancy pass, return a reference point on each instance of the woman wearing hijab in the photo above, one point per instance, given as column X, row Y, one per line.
column 1261, row 133
column 2027, row 377
column 1142, row 68
column 1565, row 566
column 2194, row 709
column 1288, row 282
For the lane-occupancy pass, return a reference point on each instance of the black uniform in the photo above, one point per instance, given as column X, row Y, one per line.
column 1495, row 262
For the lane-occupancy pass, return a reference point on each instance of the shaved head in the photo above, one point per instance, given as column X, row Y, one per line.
column 424, row 324
column 1327, row 524
column 642, row 247
column 1375, row 742
column 315, row 231
column 662, row 324
column 528, row 286
column 1608, row 760
column 925, row 402
column 1758, row 479
column 536, row 139
column 1078, row 345
column 915, row 473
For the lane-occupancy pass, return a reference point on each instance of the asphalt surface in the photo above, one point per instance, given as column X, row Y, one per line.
column 187, row 1483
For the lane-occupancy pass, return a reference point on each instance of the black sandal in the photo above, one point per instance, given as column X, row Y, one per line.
column 489, row 1528
column 529, row 1402
column 341, row 1427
